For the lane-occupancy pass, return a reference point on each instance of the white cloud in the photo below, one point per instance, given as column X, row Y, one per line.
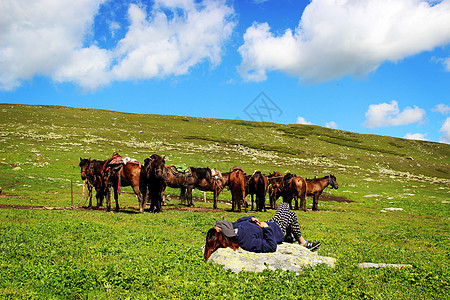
column 388, row 114
column 332, row 125
column 416, row 136
column 447, row 64
column 37, row 37
column 336, row 38
column 445, row 129
column 158, row 45
column 88, row 67
column 49, row 38
column 301, row 120
column 441, row 108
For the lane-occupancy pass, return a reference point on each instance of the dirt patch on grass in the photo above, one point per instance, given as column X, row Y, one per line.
column 330, row 198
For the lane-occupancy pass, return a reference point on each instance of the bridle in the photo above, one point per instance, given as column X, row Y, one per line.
column 331, row 182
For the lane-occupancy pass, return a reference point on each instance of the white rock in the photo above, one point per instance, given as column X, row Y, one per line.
column 288, row 257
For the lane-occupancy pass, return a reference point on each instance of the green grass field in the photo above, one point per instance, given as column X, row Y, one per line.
column 80, row 253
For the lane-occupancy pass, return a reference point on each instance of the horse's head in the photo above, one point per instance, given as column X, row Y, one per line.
column 84, row 165
column 333, row 182
column 155, row 165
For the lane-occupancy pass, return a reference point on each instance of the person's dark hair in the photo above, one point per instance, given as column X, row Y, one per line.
column 216, row 240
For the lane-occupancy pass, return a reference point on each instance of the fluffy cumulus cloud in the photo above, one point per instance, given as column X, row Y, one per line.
column 350, row 37
column 389, row 114
column 445, row 129
column 302, row 120
column 416, row 136
column 159, row 45
column 37, row 37
column 50, row 38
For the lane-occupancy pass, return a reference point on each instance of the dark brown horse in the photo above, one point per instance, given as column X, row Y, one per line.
column 119, row 173
column 93, row 179
column 183, row 181
column 257, row 185
column 237, row 183
column 87, row 180
column 275, row 188
column 156, row 183
column 294, row 187
column 205, row 181
column 315, row 187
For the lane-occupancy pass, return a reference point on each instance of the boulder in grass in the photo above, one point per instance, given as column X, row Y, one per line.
column 288, row 257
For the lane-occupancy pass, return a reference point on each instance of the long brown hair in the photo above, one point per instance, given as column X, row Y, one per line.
column 216, row 240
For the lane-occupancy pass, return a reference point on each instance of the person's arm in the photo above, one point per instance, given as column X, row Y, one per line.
column 244, row 219
column 254, row 242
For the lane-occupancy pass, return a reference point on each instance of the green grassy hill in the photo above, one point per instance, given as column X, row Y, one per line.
column 40, row 148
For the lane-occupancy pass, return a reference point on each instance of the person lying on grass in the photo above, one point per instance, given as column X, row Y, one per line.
column 252, row 235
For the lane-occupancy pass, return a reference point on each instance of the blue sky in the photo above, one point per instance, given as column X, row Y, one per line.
column 366, row 66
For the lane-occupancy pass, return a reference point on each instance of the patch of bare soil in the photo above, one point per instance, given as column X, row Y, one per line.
column 334, row 198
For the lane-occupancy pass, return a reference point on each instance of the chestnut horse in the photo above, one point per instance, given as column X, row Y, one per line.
column 315, row 187
column 156, row 183
column 294, row 187
column 275, row 188
column 92, row 180
column 120, row 174
column 237, row 183
column 257, row 185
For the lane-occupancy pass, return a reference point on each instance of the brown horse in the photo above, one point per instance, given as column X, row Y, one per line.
column 237, row 183
column 205, row 181
column 93, row 179
column 257, row 185
column 294, row 187
column 84, row 165
column 156, row 184
column 183, row 181
column 275, row 188
column 123, row 174
column 315, row 187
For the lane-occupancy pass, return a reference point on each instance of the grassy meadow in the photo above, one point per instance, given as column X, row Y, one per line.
column 398, row 209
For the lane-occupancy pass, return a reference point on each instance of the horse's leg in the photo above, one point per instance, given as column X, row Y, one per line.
column 263, row 202
column 108, row 199
column 316, row 201
column 138, row 193
column 302, row 201
column 183, row 195
column 188, row 196
column 116, row 198
column 233, row 202
column 159, row 209
column 216, row 195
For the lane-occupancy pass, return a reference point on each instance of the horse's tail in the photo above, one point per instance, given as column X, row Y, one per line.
column 143, row 181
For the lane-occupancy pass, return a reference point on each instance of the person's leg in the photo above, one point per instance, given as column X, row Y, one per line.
column 287, row 220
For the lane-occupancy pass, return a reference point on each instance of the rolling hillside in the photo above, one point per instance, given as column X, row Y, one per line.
column 398, row 209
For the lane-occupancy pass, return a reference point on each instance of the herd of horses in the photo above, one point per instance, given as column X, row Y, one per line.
column 149, row 181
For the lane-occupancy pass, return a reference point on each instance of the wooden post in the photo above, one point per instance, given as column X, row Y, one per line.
column 204, row 197
column 71, row 191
